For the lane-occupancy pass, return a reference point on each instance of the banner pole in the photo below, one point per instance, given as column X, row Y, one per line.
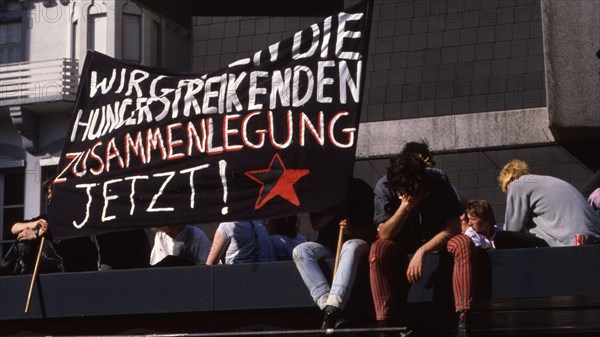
column 35, row 272
column 339, row 247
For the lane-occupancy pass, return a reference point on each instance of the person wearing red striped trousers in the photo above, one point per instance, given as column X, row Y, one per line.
column 417, row 211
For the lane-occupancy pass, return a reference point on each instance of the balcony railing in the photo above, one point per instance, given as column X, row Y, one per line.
column 38, row 82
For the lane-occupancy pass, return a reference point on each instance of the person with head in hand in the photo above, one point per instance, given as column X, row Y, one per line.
column 417, row 212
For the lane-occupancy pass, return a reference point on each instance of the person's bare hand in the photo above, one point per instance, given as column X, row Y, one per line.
column 415, row 267
column 413, row 200
column 26, row 235
column 344, row 226
column 42, row 226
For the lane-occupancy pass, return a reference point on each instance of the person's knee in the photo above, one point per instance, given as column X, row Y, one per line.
column 379, row 249
column 301, row 252
column 460, row 244
column 356, row 246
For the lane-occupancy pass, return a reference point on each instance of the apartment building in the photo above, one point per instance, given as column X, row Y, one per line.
column 42, row 47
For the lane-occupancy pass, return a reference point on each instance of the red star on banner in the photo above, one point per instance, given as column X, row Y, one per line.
column 276, row 180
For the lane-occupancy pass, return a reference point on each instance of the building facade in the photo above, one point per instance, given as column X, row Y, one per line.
column 481, row 81
column 42, row 48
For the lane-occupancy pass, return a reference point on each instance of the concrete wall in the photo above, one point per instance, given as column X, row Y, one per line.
column 239, row 299
column 426, row 59
column 467, row 77
column 432, row 58
column 572, row 58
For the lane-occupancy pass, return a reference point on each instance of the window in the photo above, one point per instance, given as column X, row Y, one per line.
column 12, row 197
column 74, row 38
column 131, row 41
column 97, row 29
column 10, row 33
column 131, row 38
column 156, row 47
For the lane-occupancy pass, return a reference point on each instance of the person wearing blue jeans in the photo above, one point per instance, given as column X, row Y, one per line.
column 329, row 299
column 359, row 232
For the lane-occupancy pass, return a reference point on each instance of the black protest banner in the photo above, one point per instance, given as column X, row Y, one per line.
column 270, row 135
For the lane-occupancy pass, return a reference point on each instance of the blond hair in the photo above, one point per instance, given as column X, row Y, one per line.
column 511, row 172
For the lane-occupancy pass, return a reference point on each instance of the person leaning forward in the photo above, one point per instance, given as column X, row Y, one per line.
column 543, row 210
column 21, row 257
column 417, row 211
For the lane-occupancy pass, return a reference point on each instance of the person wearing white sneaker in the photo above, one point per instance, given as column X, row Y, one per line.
column 358, row 229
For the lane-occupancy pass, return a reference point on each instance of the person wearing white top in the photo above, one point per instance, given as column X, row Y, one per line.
column 479, row 223
column 184, row 241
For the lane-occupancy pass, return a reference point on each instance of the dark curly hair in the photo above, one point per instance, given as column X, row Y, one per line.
column 406, row 174
column 422, row 151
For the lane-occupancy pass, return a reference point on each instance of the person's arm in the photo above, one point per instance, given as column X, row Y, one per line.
column 392, row 226
column 415, row 267
column 217, row 249
column 27, row 230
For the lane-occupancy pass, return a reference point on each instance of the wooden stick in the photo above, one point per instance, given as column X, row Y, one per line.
column 35, row 272
column 339, row 247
